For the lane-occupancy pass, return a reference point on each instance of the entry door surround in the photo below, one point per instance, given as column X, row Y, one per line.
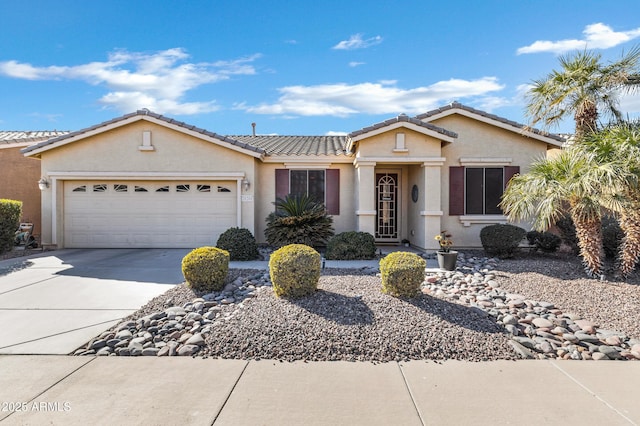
column 388, row 205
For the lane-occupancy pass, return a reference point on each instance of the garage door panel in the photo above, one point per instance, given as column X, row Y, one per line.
column 115, row 215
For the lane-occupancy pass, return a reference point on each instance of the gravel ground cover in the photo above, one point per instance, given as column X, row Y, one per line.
column 349, row 318
column 537, row 306
column 560, row 279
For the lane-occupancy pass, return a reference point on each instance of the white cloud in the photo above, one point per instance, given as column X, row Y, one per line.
column 354, row 64
column 371, row 98
column 157, row 81
column 596, row 36
column 356, row 42
column 334, row 133
column 630, row 104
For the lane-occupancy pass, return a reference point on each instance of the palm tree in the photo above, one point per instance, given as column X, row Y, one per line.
column 620, row 145
column 583, row 87
column 572, row 182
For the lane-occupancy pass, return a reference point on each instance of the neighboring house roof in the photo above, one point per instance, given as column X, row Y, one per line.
column 12, row 138
column 143, row 114
column 458, row 108
column 296, row 145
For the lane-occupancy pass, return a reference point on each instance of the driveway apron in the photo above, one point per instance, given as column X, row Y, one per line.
column 55, row 302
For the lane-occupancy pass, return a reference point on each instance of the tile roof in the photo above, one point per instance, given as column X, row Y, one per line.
column 406, row 119
column 22, row 136
column 145, row 112
column 457, row 105
column 296, row 145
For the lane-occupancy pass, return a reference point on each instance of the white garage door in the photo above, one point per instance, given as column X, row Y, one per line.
column 144, row 214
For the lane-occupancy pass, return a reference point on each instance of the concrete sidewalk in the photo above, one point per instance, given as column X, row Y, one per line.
column 186, row 391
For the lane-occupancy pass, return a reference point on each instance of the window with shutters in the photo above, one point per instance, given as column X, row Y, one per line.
column 483, row 190
column 477, row 191
column 323, row 185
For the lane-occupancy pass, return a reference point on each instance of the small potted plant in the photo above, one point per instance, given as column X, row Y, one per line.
column 447, row 258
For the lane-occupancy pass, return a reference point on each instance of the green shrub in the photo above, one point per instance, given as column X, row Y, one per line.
column 294, row 270
column 611, row 236
column 402, row 273
column 353, row 245
column 568, row 233
column 501, row 240
column 206, row 268
column 546, row 241
column 239, row 242
column 10, row 213
column 298, row 220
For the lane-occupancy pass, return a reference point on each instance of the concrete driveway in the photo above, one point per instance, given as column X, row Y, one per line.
column 54, row 302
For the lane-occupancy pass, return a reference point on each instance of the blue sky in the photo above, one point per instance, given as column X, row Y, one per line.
column 293, row 67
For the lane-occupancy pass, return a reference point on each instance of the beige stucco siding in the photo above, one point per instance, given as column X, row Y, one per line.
column 384, row 144
column 266, row 195
column 114, row 154
column 478, row 140
column 117, row 150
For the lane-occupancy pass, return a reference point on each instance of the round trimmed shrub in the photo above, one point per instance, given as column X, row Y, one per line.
column 294, row 270
column 402, row 273
column 567, row 231
column 501, row 240
column 239, row 242
column 206, row 268
column 546, row 241
column 10, row 212
column 353, row 245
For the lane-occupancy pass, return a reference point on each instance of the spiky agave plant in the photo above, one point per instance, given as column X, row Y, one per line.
column 298, row 219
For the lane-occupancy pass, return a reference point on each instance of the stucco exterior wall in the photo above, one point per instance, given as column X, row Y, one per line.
column 381, row 152
column 19, row 177
column 384, row 144
column 116, row 153
column 266, row 195
column 483, row 141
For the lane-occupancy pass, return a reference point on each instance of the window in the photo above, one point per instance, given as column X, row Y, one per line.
column 308, row 182
column 140, row 189
column 478, row 190
column 322, row 185
column 204, row 188
column 163, row 189
column 183, row 187
column 81, row 188
column 120, row 188
column 102, row 187
column 483, row 189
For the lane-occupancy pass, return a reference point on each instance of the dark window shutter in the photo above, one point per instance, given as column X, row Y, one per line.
column 282, row 183
column 509, row 171
column 332, row 191
column 456, row 190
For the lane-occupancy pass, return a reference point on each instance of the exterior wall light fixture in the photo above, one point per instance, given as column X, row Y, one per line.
column 43, row 183
column 246, row 184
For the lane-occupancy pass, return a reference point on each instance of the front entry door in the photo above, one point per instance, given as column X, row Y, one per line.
column 387, row 206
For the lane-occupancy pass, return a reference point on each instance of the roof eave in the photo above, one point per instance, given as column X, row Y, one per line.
column 39, row 148
column 445, row 137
